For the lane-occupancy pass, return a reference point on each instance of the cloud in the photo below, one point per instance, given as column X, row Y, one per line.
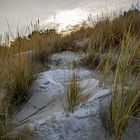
column 31, row 10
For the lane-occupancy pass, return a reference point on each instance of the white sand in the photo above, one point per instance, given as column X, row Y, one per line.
column 52, row 123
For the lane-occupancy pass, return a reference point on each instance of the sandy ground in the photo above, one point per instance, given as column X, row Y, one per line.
column 44, row 113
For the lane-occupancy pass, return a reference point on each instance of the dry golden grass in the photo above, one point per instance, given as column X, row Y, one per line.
column 112, row 45
column 73, row 96
column 124, row 102
column 16, row 76
column 107, row 35
column 125, row 99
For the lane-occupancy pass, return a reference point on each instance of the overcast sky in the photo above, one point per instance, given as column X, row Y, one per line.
column 24, row 11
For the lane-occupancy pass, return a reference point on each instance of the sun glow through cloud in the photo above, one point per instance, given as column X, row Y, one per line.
column 64, row 19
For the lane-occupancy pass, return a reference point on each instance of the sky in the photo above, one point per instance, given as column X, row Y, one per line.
column 20, row 13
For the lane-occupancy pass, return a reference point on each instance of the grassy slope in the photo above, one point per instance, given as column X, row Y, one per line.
column 113, row 45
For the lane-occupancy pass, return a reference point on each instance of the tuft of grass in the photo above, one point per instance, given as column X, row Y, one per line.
column 124, row 102
column 125, row 99
column 73, row 96
column 16, row 76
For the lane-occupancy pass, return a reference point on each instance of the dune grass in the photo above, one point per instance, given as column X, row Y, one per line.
column 17, row 73
column 113, row 45
column 125, row 99
column 125, row 103
column 16, row 76
column 44, row 44
column 107, row 35
column 73, row 95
